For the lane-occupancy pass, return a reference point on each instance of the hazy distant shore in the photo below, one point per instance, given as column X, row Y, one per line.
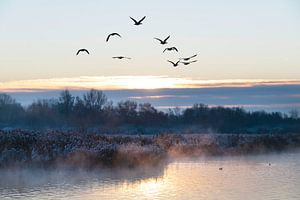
column 78, row 149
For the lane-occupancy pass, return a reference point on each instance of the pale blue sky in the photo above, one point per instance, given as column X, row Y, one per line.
column 258, row 39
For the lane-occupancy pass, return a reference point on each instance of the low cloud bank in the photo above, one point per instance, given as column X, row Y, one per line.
column 133, row 82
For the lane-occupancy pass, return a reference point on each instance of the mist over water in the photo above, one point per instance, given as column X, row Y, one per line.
column 246, row 177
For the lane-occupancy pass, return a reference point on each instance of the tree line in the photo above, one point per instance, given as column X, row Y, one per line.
column 94, row 109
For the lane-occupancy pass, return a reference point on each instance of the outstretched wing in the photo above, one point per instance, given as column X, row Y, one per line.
column 171, row 62
column 185, row 63
column 142, row 19
column 133, row 20
column 86, row 51
column 188, row 58
column 167, row 38
column 107, row 39
column 117, row 34
column 193, row 56
column 158, row 39
column 175, row 49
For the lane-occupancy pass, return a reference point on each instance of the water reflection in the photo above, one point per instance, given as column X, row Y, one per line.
column 248, row 177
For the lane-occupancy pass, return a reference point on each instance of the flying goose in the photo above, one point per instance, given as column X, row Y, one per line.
column 120, row 57
column 112, row 34
column 82, row 50
column 174, row 64
column 163, row 41
column 137, row 23
column 171, row 49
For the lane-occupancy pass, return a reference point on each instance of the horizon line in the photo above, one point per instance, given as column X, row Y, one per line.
column 134, row 83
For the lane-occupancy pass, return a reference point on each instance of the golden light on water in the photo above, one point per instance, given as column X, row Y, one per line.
column 150, row 187
column 131, row 82
column 246, row 177
column 191, row 180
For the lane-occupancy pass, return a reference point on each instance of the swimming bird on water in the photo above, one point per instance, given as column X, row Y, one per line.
column 174, row 64
column 112, row 34
column 188, row 58
column 187, row 63
column 170, row 49
column 82, row 50
column 163, row 41
column 121, row 57
column 137, row 23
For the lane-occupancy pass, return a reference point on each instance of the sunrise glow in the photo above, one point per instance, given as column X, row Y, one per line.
column 131, row 82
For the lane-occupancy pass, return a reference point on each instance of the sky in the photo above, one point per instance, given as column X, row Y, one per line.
column 257, row 39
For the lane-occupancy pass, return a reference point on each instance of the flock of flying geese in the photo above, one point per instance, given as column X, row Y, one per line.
column 184, row 61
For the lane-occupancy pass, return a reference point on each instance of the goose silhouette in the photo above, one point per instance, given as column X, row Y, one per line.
column 163, row 41
column 82, row 50
column 170, row 49
column 120, row 57
column 173, row 63
column 137, row 23
column 112, row 34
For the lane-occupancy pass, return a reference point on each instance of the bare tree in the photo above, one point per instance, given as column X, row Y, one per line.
column 94, row 100
column 294, row 114
column 127, row 110
column 5, row 99
column 66, row 102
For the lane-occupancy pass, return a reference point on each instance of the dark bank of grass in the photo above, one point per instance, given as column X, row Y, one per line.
column 79, row 149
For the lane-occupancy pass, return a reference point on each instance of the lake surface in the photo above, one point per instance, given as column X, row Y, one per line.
column 247, row 177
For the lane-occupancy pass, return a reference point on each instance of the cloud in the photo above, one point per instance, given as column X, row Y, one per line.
column 132, row 82
column 294, row 95
column 246, row 106
column 159, row 97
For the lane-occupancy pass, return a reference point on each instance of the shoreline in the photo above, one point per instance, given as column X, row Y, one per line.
column 93, row 150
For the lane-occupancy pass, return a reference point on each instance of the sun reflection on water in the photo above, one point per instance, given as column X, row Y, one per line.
column 241, row 178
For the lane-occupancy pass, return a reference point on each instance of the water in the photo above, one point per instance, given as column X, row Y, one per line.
column 248, row 177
